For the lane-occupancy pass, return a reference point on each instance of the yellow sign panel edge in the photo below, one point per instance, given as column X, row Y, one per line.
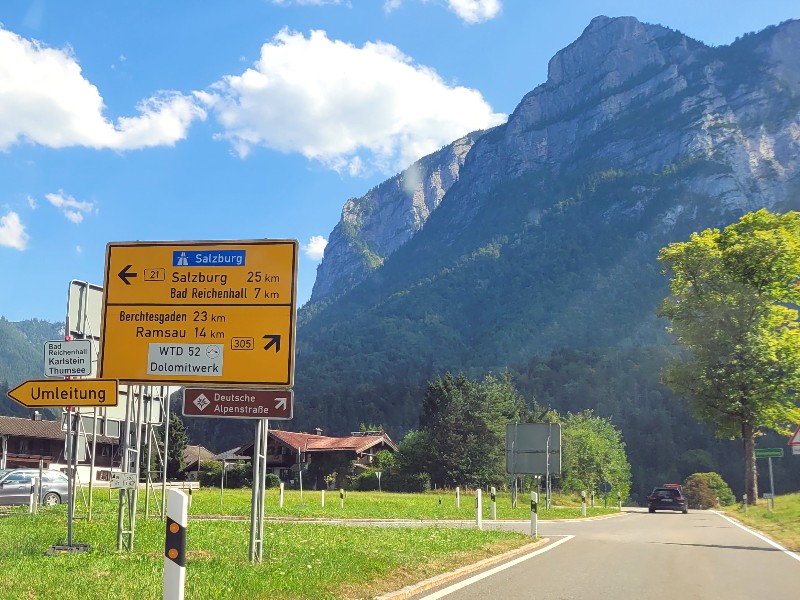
column 189, row 243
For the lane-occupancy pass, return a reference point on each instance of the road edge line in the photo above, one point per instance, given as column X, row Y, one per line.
column 528, row 551
column 760, row 536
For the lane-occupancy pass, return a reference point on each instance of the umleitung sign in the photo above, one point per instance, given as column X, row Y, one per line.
column 51, row 393
column 241, row 403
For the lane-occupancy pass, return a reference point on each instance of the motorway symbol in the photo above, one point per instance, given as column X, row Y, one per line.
column 50, row 393
column 239, row 403
column 189, row 313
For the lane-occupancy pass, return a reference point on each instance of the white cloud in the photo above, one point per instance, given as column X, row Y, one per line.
column 73, row 209
column 469, row 11
column 12, row 232
column 32, row 202
column 343, row 105
column 475, row 11
column 315, row 249
column 46, row 100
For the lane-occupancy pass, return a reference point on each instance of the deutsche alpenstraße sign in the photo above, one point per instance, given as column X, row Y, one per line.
column 242, row 403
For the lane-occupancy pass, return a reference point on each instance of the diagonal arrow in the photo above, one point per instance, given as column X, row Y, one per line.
column 125, row 274
column 280, row 403
column 274, row 340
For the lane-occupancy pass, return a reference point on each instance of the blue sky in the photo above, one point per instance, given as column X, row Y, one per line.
column 207, row 120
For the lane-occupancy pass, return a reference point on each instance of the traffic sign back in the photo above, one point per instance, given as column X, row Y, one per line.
column 215, row 312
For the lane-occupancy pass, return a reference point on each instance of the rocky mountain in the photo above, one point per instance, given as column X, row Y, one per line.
column 373, row 226
column 537, row 252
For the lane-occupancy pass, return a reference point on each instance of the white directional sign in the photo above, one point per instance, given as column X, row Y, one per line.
column 68, row 358
column 125, row 481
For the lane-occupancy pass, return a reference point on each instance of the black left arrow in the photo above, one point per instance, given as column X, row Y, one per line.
column 125, row 274
column 274, row 340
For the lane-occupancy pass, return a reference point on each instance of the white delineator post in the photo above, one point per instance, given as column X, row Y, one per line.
column 175, row 545
column 458, row 497
column 534, row 514
column 323, row 498
column 494, row 504
column 583, row 504
column 341, row 498
column 280, row 500
column 479, row 508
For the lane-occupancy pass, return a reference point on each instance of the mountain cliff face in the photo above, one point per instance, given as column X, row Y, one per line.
column 375, row 225
column 625, row 95
column 532, row 246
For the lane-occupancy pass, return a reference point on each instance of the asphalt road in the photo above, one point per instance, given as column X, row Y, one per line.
column 637, row 555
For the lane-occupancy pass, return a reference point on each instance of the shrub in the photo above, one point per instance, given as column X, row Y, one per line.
column 406, row 482
column 698, row 494
column 366, row 482
column 717, row 485
column 272, row 481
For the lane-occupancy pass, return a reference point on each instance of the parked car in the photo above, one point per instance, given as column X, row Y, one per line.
column 15, row 486
column 667, row 498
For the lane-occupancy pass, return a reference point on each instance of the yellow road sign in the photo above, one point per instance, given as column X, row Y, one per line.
column 217, row 312
column 48, row 393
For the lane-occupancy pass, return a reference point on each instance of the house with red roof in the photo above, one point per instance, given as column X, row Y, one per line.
column 317, row 456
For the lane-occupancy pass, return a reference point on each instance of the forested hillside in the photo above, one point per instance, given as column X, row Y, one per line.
column 21, row 356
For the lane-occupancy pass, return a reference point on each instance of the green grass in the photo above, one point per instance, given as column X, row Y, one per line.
column 300, row 560
column 383, row 505
column 782, row 525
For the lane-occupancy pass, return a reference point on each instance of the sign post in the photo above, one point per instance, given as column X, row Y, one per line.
column 770, row 453
column 191, row 313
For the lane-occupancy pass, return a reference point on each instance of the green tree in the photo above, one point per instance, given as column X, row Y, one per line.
column 732, row 304
column 463, row 426
column 592, row 451
column 176, row 445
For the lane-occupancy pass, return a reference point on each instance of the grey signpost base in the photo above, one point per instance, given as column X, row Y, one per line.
column 257, row 502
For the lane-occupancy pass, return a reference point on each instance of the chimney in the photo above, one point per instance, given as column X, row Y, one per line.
column 36, row 416
column 318, row 431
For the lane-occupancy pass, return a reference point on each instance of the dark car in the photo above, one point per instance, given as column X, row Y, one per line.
column 15, row 486
column 667, row 498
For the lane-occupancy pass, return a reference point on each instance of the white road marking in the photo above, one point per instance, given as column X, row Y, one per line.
column 794, row 555
column 455, row 587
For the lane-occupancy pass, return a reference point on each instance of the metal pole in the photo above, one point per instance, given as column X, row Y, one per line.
column 91, row 464
column 175, row 542
column 771, row 486
column 70, row 474
column 165, row 408
column 479, row 508
column 548, row 489
column 256, row 485
column 263, row 481
column 222, row 484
